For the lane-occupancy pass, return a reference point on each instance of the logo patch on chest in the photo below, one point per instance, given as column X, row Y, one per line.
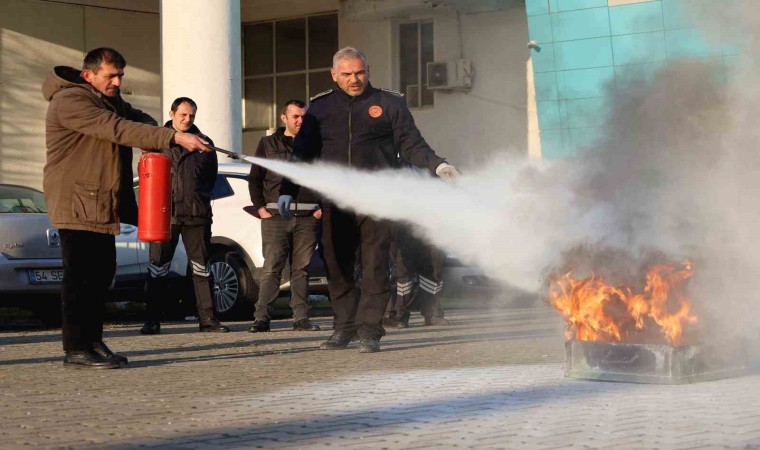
column 375, row 111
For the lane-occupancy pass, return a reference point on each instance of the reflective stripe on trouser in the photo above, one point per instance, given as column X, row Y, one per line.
column 401, row 299
column 156, row 271
column 343, row 233
column 196, row 239
column 430, row 286
column 295, row 237
column 414, row 258
column 429, row 298
column 199, row 269
column 404, row 288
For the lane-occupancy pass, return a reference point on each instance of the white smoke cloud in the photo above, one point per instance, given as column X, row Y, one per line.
column 497, row 219
column 677, row 172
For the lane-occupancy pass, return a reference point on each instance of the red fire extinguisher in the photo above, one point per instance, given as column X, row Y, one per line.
column 155, row 198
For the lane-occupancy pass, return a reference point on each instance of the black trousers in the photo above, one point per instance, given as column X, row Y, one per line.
column 295, row 237
column 197, row 239
column 343, row 233
column 418, row 268
column 89, row 265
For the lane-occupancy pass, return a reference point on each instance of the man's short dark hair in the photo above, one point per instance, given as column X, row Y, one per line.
column 101, row 55
column 299, row 103
column 180, row 100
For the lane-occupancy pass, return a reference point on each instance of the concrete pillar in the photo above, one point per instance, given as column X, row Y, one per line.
column 200, row 59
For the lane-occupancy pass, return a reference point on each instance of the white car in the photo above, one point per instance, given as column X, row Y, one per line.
column 235, row 256
column 31, row 269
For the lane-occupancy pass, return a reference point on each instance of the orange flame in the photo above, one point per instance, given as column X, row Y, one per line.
column 596, row 311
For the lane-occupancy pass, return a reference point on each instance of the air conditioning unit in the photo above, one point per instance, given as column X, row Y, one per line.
column 450, row 75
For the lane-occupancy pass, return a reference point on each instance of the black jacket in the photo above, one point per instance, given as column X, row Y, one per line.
column 263, row 184
column 193, row 178
column 366, row 132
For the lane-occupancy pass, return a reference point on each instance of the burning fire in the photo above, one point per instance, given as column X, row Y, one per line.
column 596, row 311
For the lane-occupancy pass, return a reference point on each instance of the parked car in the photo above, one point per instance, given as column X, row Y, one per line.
column 31, row 269
column 30, row 255
column 464, row 281
column 236, row 255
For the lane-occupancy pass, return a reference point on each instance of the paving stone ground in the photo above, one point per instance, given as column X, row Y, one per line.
column 490, row 380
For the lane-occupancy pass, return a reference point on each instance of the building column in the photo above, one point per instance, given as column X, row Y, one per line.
column 200, row 59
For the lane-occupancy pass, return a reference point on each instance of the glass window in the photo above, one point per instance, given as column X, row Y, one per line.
column 257, row 41
column 415, row 51
column 19, row 199
column 426, row 56
column 259, row 95
column 291, row 45
column 290, row 87
column 320, row 82
column 323, row 40
column 283, row 60
column 409, row 56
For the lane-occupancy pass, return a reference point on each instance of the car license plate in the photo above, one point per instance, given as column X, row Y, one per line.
column 45, row 276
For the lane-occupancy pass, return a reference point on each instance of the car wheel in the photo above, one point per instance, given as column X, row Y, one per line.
column 232, row 285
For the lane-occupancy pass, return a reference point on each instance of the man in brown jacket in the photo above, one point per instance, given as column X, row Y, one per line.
column 87, row 122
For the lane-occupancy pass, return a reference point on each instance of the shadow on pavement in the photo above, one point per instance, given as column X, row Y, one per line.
column 39, row 334
column 313, row 339
column 347, row 425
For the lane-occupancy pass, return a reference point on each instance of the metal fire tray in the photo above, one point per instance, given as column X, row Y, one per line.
column 653, row 363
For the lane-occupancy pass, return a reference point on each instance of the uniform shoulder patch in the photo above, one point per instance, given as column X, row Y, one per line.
column 320, row 95
column 391, row 91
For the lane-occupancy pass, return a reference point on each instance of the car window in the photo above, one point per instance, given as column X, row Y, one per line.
column 20, row 199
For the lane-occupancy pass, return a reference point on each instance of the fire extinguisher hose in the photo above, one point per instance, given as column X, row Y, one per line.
column 232, row 155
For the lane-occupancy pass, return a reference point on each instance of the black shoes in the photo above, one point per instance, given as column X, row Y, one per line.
column 393, row 322
column 436, row 321
column 259, row 326
column 304, row 325
column 151, row 327
column 88, row 359
column 338, row 341
column 102, row 349
column 369, row 345
column 212, row 326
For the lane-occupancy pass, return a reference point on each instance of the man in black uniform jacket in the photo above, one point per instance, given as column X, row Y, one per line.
column 365, row 128
column 194, row 175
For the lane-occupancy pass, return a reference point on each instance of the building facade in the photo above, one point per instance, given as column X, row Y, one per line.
column 281, row 50
column 240, row 59
column 586, row 49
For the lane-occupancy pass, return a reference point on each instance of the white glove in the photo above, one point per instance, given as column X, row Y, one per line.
column 446, row 172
